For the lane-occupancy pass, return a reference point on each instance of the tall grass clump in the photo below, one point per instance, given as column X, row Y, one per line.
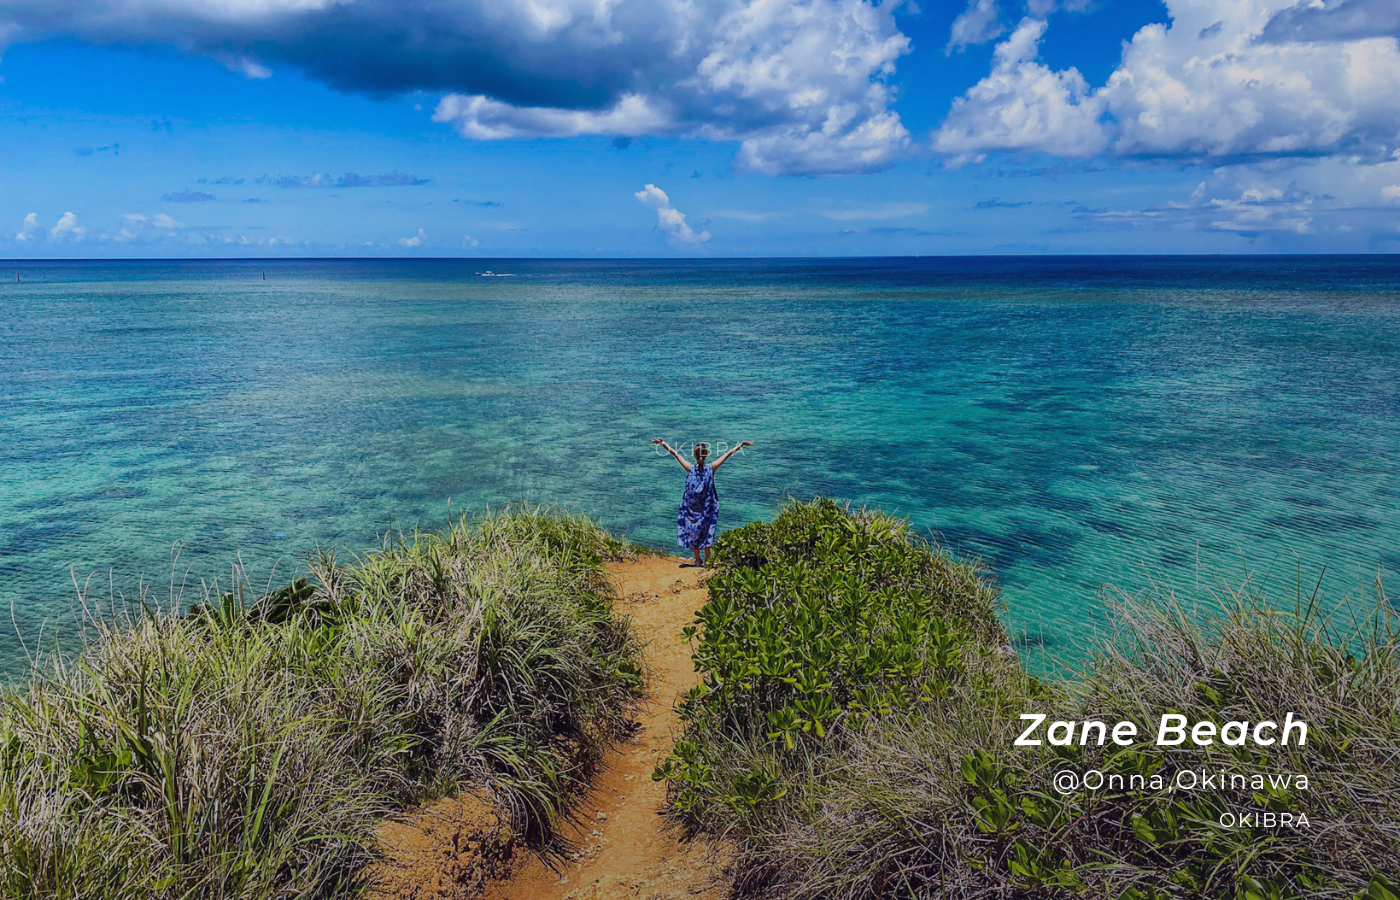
column 249, row 750
column 930, row 798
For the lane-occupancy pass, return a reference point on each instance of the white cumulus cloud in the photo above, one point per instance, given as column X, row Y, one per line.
column 802, row 85
column 133, row 227
column 669, row 219
column 1298, row 206
column 1211, row 85
column 29, row 229
column 1024, row 105
column 67, row 229
column 484, row 119
column 1249, row 211
column 807, row 85
column 415, row 241
column 977, row 24
column 159, row 227
column 1208, row 87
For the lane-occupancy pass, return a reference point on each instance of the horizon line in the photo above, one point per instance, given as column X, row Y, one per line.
column 687, row 259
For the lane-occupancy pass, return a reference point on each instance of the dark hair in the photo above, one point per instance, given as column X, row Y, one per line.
column 701, row 451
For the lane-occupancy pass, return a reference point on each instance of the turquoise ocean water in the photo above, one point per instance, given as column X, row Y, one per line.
column 1075, row 422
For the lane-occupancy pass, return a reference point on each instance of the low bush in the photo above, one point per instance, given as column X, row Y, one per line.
column 925, row 795
column 250, row 751
column 816, row 624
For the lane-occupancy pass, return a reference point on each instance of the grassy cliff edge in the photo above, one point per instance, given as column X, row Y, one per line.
column 250, row 752
column 852, row 736
column 855, row 735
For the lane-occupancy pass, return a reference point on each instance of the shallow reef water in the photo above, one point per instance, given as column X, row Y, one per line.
column 1075, row 422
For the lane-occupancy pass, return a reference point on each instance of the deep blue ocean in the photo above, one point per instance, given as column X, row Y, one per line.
column 1075, row 422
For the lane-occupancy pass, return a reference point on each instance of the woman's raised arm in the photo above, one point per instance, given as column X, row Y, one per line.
column 671, row 450
column 742, row 444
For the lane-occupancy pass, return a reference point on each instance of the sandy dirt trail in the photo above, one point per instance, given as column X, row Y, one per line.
column 624, row 847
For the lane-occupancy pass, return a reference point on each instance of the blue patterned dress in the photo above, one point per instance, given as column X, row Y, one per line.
column 695, row 523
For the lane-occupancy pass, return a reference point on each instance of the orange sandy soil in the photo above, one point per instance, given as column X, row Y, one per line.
column 457, row 849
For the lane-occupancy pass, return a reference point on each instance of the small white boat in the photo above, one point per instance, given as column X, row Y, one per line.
column 489, row 274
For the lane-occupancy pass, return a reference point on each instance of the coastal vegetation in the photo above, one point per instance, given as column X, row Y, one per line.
column 249, row 749
column 854, row 735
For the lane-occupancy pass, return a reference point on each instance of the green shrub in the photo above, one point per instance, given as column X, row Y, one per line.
column 816, row 624
column 930, row 798
column 249, row 751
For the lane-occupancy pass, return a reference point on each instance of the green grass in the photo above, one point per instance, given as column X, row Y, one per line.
column 250, row 751
column 912, row 787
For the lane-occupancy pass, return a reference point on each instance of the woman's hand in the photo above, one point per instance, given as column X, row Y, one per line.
column 732, row 450
column 671, row 450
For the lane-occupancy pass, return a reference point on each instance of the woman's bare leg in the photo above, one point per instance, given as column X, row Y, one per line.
column 696, row 551
column 707, row 556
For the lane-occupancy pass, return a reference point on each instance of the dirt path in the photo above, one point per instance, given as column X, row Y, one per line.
column 624, row 847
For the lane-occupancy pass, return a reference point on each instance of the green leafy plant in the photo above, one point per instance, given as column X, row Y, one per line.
column 816, row 624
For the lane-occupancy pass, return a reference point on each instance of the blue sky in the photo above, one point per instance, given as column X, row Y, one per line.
column 153, row 128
